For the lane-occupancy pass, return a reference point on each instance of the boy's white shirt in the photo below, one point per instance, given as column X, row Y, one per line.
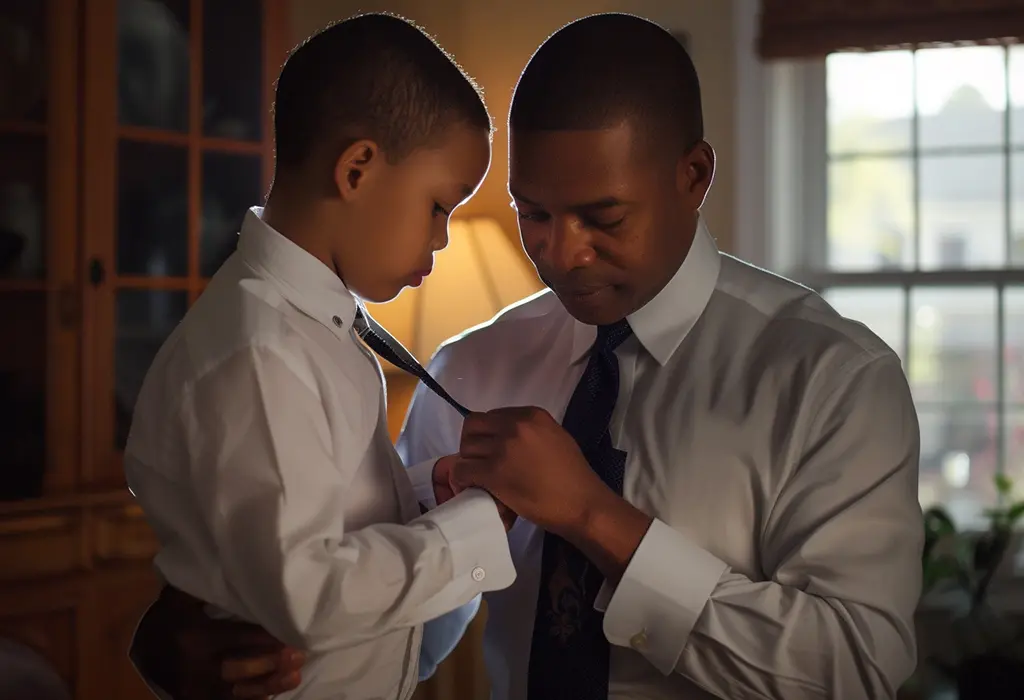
column 260, row 453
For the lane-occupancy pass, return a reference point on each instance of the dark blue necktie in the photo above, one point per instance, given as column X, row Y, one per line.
column 569, row 653
column 385, row 345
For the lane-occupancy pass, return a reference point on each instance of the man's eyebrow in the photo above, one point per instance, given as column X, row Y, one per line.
column 597, row 204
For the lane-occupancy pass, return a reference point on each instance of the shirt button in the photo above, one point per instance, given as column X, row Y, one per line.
column 337, row 321
column 639, row 641
column 479, row 574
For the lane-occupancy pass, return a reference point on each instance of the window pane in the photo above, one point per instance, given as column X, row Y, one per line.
column 963, row 217
column 870, row 101
column 23, row 206
column 24, row 72
column 232, row 70
column 1016, row 253
column 152, row 224
column 870, row 214
column 1014, row 467
column 958, row 460
column 952, row 345
column 1017, row 94
column 153, row 63
column 231, row 184
column 23, row 393
column 1013, row 353
column 961, row 96
column 881, row 310
column 144, row 319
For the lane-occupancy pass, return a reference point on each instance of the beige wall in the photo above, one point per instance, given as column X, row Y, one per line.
column 493, row 39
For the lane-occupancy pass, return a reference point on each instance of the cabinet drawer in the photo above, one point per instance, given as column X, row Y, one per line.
column 121, row 534
column 35, row 545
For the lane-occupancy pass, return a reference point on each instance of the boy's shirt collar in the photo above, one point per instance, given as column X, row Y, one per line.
column 304, row 280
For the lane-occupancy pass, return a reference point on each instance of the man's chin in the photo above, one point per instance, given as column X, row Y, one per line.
column 596, row 309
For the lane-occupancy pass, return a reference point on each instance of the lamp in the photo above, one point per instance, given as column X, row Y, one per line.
column 475, row 277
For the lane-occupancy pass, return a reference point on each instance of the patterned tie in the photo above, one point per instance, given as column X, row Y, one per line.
column 569, row 653
column 382, row 343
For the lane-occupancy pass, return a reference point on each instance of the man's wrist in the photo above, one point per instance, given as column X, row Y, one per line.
column 608, row 531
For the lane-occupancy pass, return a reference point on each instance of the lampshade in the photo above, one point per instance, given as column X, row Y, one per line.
column 475, row 277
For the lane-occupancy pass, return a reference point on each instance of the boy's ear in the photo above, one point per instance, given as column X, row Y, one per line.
column 358, row 162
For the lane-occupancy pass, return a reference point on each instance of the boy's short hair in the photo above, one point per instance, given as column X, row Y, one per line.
column 373, row 76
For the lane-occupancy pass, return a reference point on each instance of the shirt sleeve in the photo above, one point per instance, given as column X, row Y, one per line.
column 841, row 552
column 272, row 489
column 432, row 430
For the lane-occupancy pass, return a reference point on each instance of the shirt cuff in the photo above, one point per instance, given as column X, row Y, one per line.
column 422, row 477
column 477, row 540
column 662, row 593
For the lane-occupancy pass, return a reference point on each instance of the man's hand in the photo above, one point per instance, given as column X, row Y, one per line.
column 525, row 458
column 445, row 489
column 194, row 657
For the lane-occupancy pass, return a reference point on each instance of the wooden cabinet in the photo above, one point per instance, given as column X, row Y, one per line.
column 134, row 134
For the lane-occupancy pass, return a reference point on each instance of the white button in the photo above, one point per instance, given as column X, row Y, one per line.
column 337, row 321
column 479, row 574
column 639, row 640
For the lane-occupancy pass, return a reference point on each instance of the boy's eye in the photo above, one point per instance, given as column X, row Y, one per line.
column 440, row 211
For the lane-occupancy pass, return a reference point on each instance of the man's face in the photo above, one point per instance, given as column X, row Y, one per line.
column 605, row 219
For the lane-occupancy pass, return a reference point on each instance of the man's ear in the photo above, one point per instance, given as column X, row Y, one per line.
column 695, row 171
column 356, row 163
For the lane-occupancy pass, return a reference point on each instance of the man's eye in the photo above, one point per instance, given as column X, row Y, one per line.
column 606, row 225
column 532, row 216
column 440, row 211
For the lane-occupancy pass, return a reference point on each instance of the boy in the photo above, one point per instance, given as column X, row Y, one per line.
column 259, row 447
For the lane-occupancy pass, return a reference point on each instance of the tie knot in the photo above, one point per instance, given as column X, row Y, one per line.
column 612, row 336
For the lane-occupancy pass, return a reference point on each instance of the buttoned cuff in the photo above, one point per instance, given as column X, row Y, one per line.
column 662, row 593
column 422, row 477
column 477, row 540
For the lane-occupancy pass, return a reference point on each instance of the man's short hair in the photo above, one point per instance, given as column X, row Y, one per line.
column 375, row 76
column 601, row 70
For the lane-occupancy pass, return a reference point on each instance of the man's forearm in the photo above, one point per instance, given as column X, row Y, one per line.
column 609, row 533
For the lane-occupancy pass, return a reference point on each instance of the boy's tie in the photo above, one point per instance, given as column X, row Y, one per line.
column 385, row 345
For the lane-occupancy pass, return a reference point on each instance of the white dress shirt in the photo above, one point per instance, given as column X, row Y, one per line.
column 774, row 443
column 260, row 454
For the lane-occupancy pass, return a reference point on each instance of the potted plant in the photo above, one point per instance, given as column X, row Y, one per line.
column 962, row 564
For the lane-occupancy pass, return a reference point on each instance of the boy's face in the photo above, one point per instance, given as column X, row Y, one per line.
column 401, row 217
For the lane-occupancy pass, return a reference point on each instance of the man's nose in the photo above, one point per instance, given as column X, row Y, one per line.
column 568, row 245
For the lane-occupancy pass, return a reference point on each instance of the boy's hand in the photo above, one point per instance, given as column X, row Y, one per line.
column 445, row 489
column 194, row 657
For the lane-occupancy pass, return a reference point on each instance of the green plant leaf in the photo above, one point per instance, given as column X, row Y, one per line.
column 1014, row 513
column 1004, row 484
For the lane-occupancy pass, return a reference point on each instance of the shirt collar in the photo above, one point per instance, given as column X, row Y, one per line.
column 304, row 280
column 663, row 322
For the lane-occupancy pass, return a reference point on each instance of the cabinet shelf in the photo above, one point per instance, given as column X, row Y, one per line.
column 163, row 137
column 24, row 128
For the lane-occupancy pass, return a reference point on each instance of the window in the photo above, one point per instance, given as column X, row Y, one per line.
column 917, row 232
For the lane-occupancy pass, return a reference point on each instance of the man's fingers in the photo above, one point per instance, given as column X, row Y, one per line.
column 477, row 447
column 246, row 669
column 267, row 687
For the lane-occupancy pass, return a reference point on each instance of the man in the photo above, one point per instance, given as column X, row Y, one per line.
column 729, row 508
